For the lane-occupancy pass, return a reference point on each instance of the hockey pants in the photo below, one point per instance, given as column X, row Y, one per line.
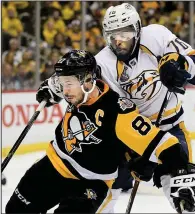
column 42, row 187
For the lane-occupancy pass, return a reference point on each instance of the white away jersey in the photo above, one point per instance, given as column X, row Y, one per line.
column 140, row 80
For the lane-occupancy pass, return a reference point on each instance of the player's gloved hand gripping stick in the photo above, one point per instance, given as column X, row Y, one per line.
column 23, row 134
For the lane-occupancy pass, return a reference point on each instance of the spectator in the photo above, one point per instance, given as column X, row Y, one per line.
column 11, row 24
column 160, row 18
column 176, row 15
column 150, row 7
column 48, row 66
column 14, row 47
column 9, row 58
column 91, row 47
column 62, row 43
column 7, row 77
column 149, row 10
column 100, row 43
column 56, row 5
column 49, row 32
column 47, row 8
column 94, row 31
column 74, row 33
column 76, row 5
column 23, row 78
column 183, row 29
column 21, row 6
column 27, row 60
column 67, row 13
column 59, row 24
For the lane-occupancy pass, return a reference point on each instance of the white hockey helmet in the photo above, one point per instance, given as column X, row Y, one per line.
column 122, row 19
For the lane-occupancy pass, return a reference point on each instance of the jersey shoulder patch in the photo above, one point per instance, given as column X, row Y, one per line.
column 125, row 105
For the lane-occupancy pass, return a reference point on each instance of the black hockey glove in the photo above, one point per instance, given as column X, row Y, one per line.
column 141, row 168
column 173, row 72
column 44, row 92
column 179, row 188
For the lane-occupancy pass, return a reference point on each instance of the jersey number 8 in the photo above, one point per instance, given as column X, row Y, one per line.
column 140, row 125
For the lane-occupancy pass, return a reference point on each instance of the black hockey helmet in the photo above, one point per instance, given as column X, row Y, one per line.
column 78, row 63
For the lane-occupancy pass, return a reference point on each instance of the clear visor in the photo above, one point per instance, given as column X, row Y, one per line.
column 123, row 34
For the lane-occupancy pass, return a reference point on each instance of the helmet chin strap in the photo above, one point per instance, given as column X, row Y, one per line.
column 86, row 93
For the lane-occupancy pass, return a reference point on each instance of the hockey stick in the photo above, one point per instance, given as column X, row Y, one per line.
column 23, row 134
column 132, row 196
column 163, row 107
column 157, row 124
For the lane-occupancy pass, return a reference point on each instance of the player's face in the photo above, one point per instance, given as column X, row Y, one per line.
column 121, row 40
column 72, row 89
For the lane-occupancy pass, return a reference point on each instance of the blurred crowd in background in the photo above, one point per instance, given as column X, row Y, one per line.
column 61, row 32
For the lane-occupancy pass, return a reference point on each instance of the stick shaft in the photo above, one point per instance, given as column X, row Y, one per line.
column 22, row 135
column 132, row 197
column 163, row 107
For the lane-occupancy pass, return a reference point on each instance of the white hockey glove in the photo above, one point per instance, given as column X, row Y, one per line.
column 180, row 189
column 50, row 91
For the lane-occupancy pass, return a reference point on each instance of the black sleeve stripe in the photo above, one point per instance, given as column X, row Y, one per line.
column 153, row 144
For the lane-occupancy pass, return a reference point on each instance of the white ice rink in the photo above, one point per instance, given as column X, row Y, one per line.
column 144, row 202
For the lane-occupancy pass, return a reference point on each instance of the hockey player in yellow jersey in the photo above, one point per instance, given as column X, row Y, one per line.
column 90, row 141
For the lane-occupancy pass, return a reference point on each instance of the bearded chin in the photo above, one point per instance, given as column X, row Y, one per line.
column 122, row 57
column 127, row 55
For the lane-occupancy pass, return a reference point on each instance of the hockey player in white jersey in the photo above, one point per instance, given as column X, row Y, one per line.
column 142, row 63
column 130, row 63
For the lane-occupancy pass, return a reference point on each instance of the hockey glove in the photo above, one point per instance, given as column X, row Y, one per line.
column 44, row 92
column 179, row 188
column 141, row 169
column 173, row 72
